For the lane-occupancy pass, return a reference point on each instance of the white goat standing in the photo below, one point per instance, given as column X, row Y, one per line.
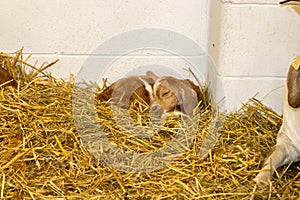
column 287, row 148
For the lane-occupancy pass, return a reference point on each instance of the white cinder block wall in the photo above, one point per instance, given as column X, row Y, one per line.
column 251, row 41
column 70, row 30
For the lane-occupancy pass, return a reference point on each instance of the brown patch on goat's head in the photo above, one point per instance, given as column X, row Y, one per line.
column 293, row 87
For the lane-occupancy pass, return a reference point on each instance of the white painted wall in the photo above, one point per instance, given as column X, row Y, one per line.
column 70, row 30
column 251, row 41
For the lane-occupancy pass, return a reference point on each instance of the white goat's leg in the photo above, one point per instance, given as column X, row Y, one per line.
column 281, row 155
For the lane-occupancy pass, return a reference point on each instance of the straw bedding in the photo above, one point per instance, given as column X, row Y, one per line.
column 42, row 157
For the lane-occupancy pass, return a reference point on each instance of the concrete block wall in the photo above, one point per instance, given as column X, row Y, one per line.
column 71, row 30
column 251, row 41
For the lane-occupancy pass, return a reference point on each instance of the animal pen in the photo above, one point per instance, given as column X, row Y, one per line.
column 60, row 141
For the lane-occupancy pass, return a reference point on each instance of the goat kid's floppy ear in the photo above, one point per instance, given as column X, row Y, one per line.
column 152, row 75
column 293, row 83
column 188, row 98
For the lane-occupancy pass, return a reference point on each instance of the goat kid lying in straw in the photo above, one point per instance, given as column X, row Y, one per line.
column 166, row 95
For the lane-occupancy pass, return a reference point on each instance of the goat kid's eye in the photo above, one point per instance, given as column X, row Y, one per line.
column 165, row 94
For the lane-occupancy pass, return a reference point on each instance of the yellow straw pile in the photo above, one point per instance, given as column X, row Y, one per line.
column 42, row 155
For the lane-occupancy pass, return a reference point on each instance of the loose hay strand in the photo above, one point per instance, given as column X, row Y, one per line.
column 42, row 157
column 2, row 186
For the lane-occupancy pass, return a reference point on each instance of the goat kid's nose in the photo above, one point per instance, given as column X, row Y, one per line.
column 155, row 107
column 156, row 110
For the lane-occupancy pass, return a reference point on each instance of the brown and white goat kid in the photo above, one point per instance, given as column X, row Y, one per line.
column 287, row 148
column 166, row 95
